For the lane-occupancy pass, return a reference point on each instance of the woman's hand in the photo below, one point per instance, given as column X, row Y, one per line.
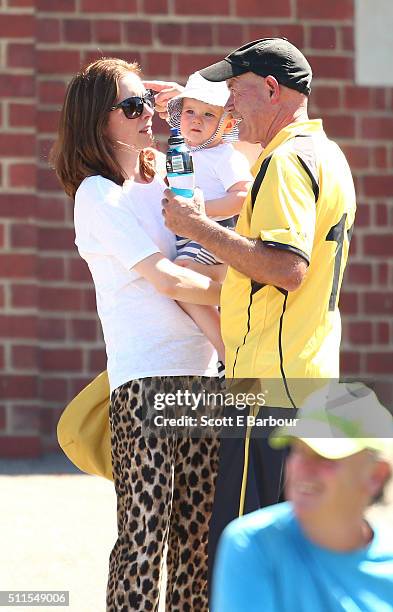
column 165, row 91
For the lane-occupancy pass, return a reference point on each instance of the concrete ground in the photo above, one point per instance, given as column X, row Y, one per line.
column 57, row 528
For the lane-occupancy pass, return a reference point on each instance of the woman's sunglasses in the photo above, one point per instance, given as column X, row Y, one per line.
column 133, row 107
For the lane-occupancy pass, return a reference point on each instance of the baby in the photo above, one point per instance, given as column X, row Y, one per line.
column 221, row 172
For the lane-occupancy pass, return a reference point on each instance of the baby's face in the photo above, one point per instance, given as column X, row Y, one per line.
column 199, row 121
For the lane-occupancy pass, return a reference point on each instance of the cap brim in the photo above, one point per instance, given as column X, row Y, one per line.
column 336, row 448
column 221, row 71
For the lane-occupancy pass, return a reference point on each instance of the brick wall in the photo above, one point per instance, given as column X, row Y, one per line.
column 51, row 341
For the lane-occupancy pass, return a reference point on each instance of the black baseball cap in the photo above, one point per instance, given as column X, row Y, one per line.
column 268, row 56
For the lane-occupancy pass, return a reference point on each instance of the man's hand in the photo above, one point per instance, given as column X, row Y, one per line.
column 165, row 91
column 184, row 216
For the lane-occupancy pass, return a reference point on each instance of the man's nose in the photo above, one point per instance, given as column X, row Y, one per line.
column 229, row 106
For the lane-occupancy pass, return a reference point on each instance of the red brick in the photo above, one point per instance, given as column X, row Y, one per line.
column 49, row 418
column 77, row 384
column 61, row 6
column 378, row 186
column 16, row 86
column 381, row 157
column 115, row 6
column 339, row 126
column 18, row 387
column 17, row 144
column 155, row 7
column 349, row 362
column 170, row 33
column 334, row 9
column 199, row 35
column 107, row 31
column 125, row 54
column 358, row 156
column 77, row 30
column 51, row 329
column 255, row 31
column 378, row 244
column 51, row 268
column 383, row 274
column 25, row 418
column 326, row 97
column 379, row 128
column 188, row 63
column 359, row 273
column 69, row 360
column 139, row 32
column 78, row 270
column 1, row 236
column 383, row 332
column 158, row 64
column 51, row 92
column 24, row 296
column 13, row 326
column 56, row 239
column 379, row 363
column 360, row 332
column 17, row 265
column 2, row 297
column 378, row 303
column 362, row 215
column 22, row 115
column 2, row 360
column 89, row 300
column 21, row 3
column 97, row 360
column 348, row 302
column 52, row 208
column 20, row 55
column 357, row 98
column 379, row 98
column 83, row 329
column 16, row 26
column 248, row 8
column 24, row 357
column 323, row 37
column 22, row 175
column 381, row 211
column 58, row 61
column 60, row 299
column 294, row 33
column 47, row 180
column 331, row 66
column 23, row 235
column 230, row 34
column 53, row 389
column 193, row 7
column 48, row 121
column 2, row 419
column 48, row 30
column 347, row 34
column 27, row 447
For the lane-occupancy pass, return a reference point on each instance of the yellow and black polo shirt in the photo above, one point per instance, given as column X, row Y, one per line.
column 302, row 200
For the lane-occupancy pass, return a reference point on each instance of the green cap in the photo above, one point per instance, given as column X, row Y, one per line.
column 339, row 420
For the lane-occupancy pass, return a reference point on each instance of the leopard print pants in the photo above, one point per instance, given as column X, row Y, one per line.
column 165, row 487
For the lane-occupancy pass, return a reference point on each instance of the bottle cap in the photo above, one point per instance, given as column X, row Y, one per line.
column 175, row 137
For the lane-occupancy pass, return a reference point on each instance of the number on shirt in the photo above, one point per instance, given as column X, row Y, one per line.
column 337, row 234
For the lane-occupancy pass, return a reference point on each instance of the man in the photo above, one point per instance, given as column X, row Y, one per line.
column 280, row 319
column 317, row 552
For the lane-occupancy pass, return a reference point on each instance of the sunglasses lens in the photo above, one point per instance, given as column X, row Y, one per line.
column 133, row 107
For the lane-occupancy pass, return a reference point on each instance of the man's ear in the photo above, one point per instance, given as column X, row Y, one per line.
column 274, row 88
column 381, row 473
column 230, row 124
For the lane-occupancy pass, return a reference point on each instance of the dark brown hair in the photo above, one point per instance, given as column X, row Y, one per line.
column 81, row 148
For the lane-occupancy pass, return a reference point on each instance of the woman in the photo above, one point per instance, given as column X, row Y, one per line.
column 164, row 481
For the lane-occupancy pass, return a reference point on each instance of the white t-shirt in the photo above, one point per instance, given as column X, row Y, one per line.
column 146, row 334
column 217, row 169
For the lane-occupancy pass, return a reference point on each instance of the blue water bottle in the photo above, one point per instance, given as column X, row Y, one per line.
column 179, row 166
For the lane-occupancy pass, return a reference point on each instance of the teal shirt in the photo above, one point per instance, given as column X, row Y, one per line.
column 266, row 564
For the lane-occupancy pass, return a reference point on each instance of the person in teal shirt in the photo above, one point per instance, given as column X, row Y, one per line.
column 317, row 552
